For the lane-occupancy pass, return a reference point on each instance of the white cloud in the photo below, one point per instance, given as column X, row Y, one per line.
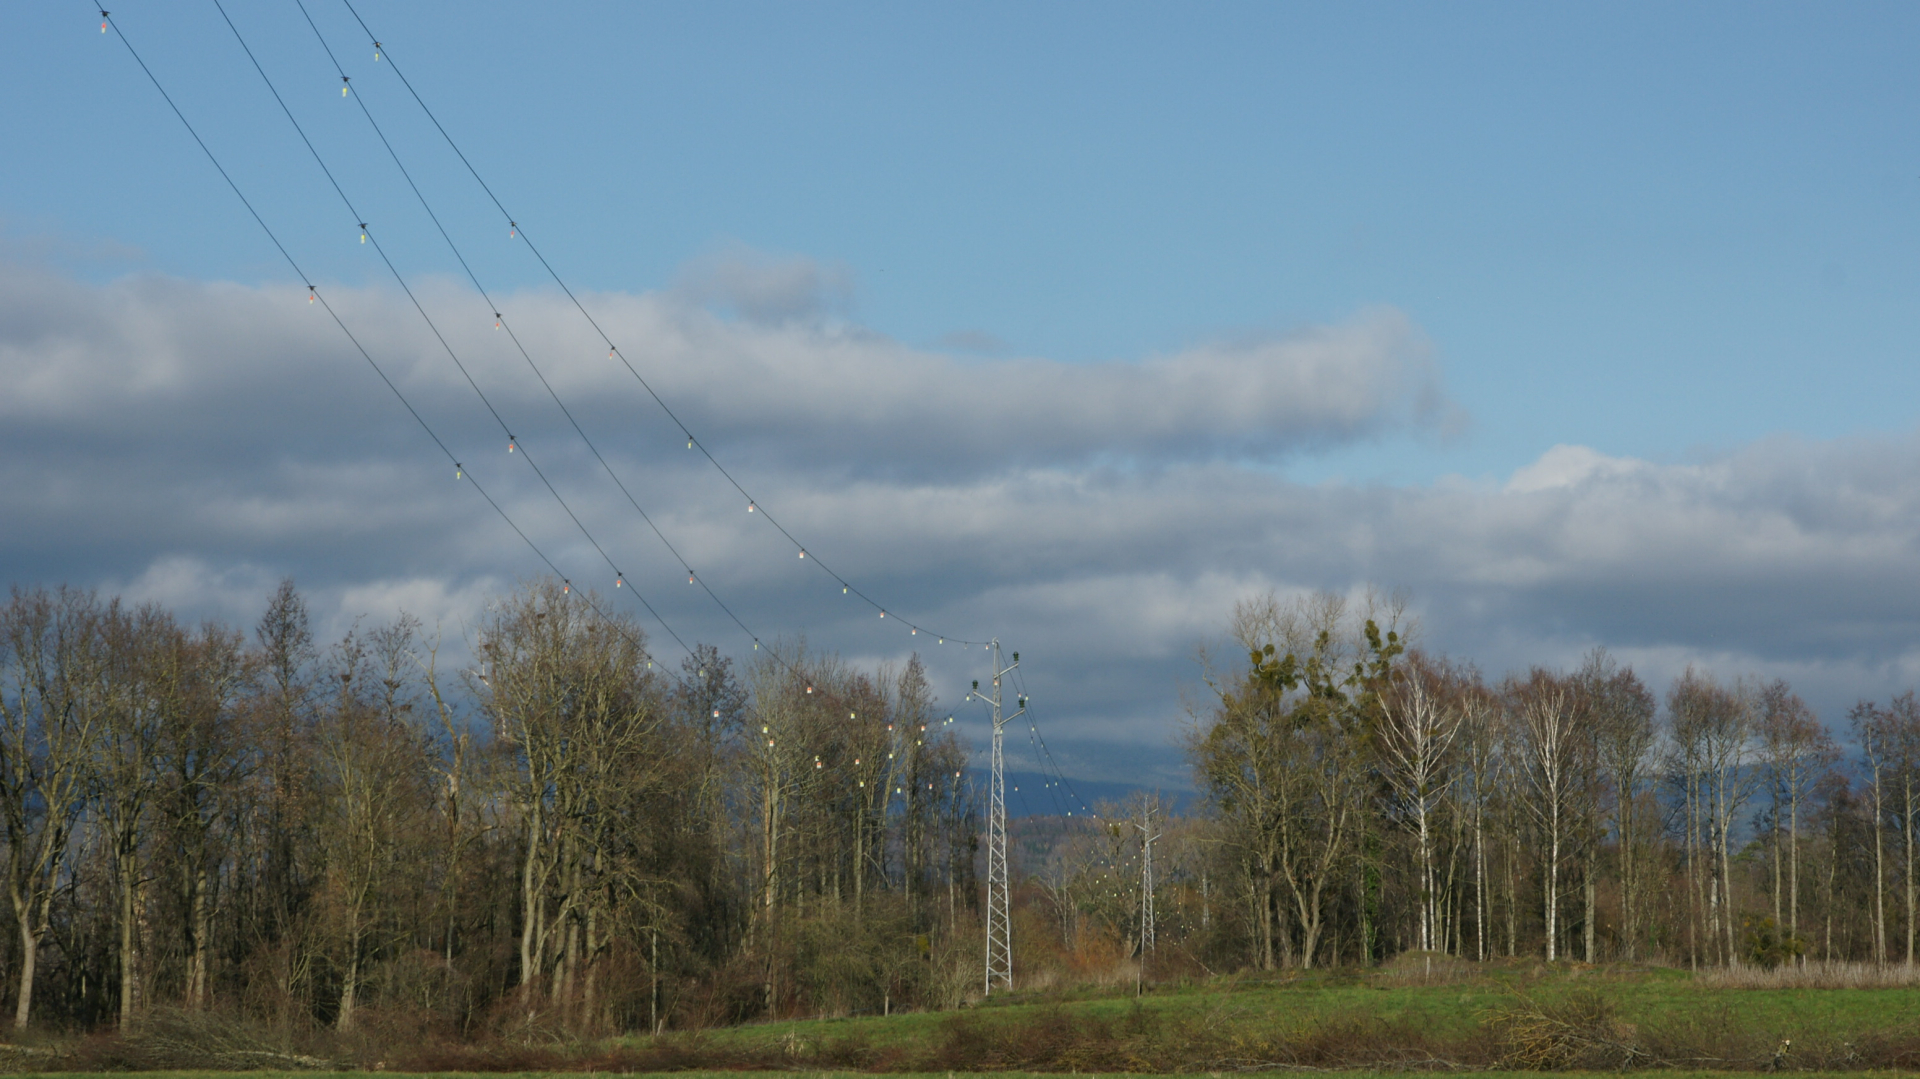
column 191, row 443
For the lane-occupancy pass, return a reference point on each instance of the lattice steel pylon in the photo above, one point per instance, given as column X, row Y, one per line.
column 999, row 880
column 1148, row 806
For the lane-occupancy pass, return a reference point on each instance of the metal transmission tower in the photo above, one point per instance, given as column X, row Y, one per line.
column 1147, row 836
column 999, row 880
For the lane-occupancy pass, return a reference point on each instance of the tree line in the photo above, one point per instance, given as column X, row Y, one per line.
column 561, row 835
column 1364, row 799
column 565, row 835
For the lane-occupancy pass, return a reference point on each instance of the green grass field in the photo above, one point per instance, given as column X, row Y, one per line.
column 1249, row 1010
column 1520, row 1019
column 1510, row 1017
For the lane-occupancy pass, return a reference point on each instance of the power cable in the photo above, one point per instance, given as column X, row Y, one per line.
column 1021, row 686
column 693, row 442
column 314, row 295
column 369, row 235
column 501, row 322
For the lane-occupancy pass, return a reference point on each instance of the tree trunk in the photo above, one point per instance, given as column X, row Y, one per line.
column 1793, row 862
column 1553, row 881
column 1879, row 874
column 29, row 959
column 129, row 922
column 1592, row 905
column 200, row 926
column 530, row 899
column 1906, row 827
column 350, row 980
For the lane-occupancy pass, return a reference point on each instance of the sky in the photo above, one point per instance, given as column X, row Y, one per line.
column 1070, row 324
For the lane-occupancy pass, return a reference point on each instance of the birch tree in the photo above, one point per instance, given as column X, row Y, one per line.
column 1797, row 751
column 1543, row 709
column 1416, row 741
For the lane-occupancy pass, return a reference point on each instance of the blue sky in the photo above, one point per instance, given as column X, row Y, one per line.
column 1680, row 236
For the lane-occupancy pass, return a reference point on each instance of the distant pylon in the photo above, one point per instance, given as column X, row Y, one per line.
column 1147, row 836
column 999, row 881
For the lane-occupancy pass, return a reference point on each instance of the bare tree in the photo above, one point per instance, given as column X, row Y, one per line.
column 1873, row 728
column 1416, row 743
column 1621, row 711
column 1482, row 740
column 1797, row 751
column 57, row 695
column 204, row 759
column 1543, row 708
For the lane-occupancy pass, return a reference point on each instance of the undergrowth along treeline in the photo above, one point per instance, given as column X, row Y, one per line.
column 562, row 839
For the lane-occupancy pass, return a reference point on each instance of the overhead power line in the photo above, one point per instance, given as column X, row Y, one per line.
column 316, row 296
column 367, row 234
column 516, row 230
column 502, row 323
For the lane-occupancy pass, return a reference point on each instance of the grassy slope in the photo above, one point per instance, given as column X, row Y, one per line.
column 1262, row 1007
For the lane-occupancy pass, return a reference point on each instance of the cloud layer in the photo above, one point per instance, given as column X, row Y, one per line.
column 191, row 442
